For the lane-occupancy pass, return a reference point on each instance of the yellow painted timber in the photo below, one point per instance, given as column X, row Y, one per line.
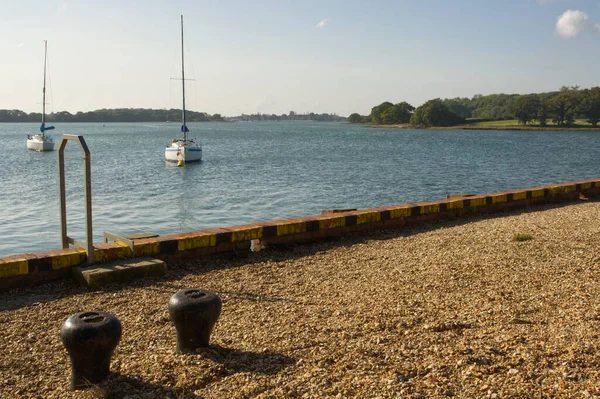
column 148, row 248
column 555, row 190
column 400, row 212
column 368, row 217
column 476, row 201
column 122, row 250
column 68, row 259
column 426, row 209
column 246, row 234
column 569, row 188
column 520, row 195
column 458, row 204
column 195, row 241
column 498, row 198
column 585, row 186
column 14, row 268
column 537, row 193
column 285, row 229
column 332, row 222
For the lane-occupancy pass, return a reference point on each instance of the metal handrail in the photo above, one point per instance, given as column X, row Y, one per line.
column 121, row 239
column 88, row 245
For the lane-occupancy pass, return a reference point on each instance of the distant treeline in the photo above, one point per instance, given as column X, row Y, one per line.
column 155, row 115
column 110, row 115
column 292, row 116
column 561, row 107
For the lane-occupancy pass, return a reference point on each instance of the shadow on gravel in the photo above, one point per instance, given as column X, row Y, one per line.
column 37, row 295
column 236, row 361
column 118, row 386
column 227, row 362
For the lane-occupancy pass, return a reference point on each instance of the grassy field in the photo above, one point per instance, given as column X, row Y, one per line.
column 513, row 123
column 510, row 124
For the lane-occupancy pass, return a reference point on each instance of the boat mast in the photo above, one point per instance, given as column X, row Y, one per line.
column 184, row 128
column 44, row 89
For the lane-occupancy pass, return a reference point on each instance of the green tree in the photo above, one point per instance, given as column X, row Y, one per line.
column 434, row 113
column 526, row 108
column 543, row 113
column 399, row 113
column 563, row 106
column 590, row 105
column 354, row 118
column 460, row 106
column 493, row 106
column 63, row 116
column 377, row 111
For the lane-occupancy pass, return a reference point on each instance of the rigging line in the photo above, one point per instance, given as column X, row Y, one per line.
column 176, row 63
column 191, row 62
column 174, row 59
column 50, row 84
column 189, row 57
column 196, row 96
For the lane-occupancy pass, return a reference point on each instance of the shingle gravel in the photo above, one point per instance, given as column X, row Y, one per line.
column 452, row 309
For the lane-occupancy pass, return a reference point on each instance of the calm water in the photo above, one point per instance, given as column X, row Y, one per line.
column 262, row 171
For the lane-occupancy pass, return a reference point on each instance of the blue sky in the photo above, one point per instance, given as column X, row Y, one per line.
column 281, row 55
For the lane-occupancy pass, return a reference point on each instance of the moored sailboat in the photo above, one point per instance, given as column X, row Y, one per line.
column 183, row 150
column 40, row 141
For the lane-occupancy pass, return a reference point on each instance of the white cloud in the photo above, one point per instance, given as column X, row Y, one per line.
column 571, row 23
column 323, row 23
column 597, row 27
column 20, row 45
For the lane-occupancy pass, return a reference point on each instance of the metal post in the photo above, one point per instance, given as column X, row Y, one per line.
column 89, row 237
column 65, row 239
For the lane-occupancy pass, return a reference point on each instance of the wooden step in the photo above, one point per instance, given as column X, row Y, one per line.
column 121, row 271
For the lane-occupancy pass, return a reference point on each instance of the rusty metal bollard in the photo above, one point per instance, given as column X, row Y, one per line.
column 194, row 312
column 90, row 338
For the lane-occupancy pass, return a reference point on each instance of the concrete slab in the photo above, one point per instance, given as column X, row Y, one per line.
column 121, row 271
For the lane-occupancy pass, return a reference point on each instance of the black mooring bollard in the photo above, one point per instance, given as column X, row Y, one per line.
column 90, row 339
column 194, row 312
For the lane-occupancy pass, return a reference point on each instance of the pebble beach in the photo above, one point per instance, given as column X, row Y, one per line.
column 450, row 309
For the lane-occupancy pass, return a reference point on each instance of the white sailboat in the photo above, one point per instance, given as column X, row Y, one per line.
column 183, row 150
column 41, row 142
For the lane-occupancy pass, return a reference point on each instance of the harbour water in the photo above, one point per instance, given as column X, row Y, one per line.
column 263, row 171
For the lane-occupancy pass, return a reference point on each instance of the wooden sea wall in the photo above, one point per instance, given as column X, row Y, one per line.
column 35, row 268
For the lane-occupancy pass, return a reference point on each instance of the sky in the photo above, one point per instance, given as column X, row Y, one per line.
column 277, row 56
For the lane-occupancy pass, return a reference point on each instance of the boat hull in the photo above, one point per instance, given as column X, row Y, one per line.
column 40, row 143
column 185, row 152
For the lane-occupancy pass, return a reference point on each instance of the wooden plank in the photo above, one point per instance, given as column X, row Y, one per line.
column 139, row 236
